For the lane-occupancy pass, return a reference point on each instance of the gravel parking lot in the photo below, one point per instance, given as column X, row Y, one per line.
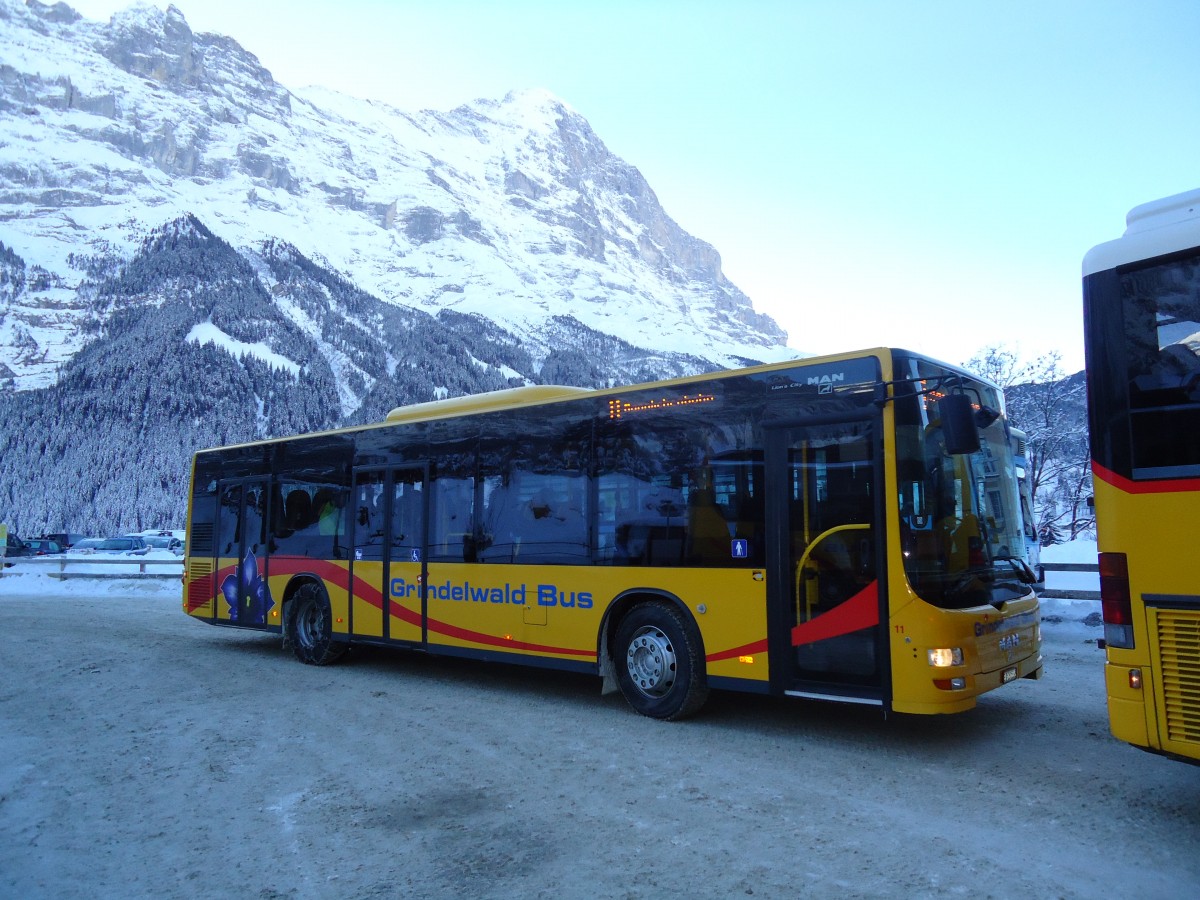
column 143, row 754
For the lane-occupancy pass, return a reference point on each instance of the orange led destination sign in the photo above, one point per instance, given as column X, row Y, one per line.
column 618, row 409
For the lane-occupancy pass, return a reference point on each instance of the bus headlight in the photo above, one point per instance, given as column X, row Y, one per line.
column 945, row 657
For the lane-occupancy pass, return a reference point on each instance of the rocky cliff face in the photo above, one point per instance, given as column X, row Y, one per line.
column 511, row 209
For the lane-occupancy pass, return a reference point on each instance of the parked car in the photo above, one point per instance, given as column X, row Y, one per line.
column 85, row 545
column 164, row 542
column 63, row 539
column 130, row 545
column 14, row 548
column 42, row 547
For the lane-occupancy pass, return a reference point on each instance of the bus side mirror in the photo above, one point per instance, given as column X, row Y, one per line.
column 958, row 424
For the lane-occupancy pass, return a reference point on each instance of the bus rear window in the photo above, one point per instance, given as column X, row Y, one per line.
column 1162, row 325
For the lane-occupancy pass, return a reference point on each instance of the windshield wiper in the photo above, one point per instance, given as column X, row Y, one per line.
column 971, row 580
column 1024, row 573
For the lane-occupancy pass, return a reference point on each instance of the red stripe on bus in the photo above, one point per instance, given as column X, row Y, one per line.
column 368, row 593
column 860, row 611
column 215, row 580
column 206, row 593
column 490, row 640
column 1121, row 483
column 323, row 569
column 744, row 650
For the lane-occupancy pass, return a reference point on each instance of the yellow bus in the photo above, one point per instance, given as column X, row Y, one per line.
column 1142, row 340
column 846, row 528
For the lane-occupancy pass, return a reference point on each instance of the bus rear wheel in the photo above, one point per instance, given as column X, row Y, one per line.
column 310, row 627
column 659, row 665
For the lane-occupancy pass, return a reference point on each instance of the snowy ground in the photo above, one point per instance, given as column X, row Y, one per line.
column 143, row 754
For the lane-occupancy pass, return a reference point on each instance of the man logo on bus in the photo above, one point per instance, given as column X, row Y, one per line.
column 825, row 383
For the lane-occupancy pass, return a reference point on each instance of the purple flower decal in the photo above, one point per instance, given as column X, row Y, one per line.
column 247, row 594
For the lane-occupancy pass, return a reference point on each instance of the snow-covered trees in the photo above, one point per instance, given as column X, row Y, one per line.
column 108, row 447
column 1051, row 408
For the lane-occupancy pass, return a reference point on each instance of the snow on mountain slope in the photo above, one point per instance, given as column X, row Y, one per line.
column 512, row 209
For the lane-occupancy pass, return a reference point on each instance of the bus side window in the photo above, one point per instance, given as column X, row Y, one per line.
column 708, row 534
column 619, row 538
column 368, row 515
column 450, row 530
column 494, row 541
column 256, row 520
column 230, row 521
column 291, row 520
column 297, row 509
column 552, row 528
column 312, row 521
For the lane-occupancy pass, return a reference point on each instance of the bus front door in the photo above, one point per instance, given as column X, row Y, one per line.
column 389, row 551
column 826, row 563
column 243, row 596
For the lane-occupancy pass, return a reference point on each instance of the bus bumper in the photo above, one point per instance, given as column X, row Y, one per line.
column 1127, row 705
column 953, row 701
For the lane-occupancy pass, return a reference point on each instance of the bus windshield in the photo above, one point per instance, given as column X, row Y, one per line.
column 960, row 515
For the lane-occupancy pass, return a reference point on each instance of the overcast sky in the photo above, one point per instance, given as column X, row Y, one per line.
column 926, row 174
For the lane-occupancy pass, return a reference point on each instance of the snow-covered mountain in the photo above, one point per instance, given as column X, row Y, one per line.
column 191, row 255
column 512, row 210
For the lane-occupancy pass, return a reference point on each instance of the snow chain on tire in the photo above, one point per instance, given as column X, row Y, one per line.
column 309, row 627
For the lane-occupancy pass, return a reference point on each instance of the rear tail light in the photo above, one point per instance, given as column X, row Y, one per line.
column 1115, row 602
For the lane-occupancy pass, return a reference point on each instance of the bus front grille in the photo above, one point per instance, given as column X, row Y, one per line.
column 1179, row 642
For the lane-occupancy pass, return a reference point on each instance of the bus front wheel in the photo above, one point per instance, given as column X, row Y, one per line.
column 659, row 665
column 310, row 627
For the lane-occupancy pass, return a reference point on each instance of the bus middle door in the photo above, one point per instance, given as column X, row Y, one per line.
column 389, row 549
column 825, row 561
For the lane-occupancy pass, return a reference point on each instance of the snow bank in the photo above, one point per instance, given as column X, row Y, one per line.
column 1080, row 551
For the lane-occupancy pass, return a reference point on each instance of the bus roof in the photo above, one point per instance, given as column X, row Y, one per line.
column 533, row 395
column 511, row 398
column 1151, row 229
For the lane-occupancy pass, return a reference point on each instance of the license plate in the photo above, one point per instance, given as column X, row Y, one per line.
column 1009, row 675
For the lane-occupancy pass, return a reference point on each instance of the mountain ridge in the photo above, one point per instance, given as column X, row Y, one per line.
column 513, row 208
